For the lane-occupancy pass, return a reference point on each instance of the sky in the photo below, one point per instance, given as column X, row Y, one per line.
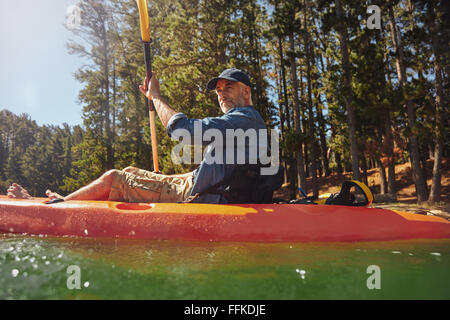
column 36, row 71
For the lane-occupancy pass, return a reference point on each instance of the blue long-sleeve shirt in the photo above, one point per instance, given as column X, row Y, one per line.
column 210, row 172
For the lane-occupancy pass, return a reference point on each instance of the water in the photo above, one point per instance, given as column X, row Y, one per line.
column 33, row 267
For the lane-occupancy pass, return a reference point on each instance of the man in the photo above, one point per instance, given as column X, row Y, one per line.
column 233, row 91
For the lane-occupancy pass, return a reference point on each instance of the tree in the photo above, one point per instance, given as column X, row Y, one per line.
column 347, row 92
column 96, row 45
column 419, row 180
column 439, row 134
column 311, row 119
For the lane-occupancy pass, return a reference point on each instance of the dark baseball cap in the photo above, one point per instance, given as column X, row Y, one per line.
column 232, row 75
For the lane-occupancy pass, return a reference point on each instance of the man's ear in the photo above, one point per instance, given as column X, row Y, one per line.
column 248, row 91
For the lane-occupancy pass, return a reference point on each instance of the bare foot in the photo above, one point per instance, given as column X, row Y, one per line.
column 53, row 195
column 18, row 192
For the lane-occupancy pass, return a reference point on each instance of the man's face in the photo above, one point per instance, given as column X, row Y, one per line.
column 230, row 94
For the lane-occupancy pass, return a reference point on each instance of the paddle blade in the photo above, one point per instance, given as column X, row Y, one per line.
column 145, row 23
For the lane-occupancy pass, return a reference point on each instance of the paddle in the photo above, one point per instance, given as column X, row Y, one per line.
column 146, row 40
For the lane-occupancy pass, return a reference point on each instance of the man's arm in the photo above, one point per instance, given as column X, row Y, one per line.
column 164, row 111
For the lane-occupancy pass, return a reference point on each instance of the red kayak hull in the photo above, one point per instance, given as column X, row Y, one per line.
column 210, row 222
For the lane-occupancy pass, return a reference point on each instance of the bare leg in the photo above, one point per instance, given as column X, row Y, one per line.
column 97, row 190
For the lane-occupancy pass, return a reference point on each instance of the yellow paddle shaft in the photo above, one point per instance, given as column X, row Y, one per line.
column 145, row 34
column 154, row 140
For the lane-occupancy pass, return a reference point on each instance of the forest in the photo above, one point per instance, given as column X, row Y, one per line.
column 350, row 85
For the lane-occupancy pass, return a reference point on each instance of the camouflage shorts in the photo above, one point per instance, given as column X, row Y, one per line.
column 146, row 186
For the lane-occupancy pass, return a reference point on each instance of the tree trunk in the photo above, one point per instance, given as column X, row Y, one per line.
column 283, row 79
column 107, row 110
column 303, row 126
column 281, row 115
column 435, row 191
column 388, row 131
column 301, row 178
column 253, row 37
column 322, row 137
column 418, row 177
column 311, row 121
column 389, row 151
column 114, row 109
column 337, row 157
column 383, row 182
column 323, row 144
column 322, row 125
column 291, row 167
column 347, row 91
column 364, row 168
column 440, row 115
column 280, row 104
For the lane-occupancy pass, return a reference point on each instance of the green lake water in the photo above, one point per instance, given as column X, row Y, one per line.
column 33, row 267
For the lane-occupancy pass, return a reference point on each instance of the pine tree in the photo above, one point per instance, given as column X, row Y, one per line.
column 419, row 180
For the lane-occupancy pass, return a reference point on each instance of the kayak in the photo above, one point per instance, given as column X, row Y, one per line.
column 213, row 222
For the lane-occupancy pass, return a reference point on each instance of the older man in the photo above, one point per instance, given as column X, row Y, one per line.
column 233, row 91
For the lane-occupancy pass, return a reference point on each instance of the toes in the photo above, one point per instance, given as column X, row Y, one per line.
column 52, row 195
column 14, row 194
column 17, row 187
column 18, row 192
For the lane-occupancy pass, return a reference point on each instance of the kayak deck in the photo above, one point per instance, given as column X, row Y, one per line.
column 213, row 222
